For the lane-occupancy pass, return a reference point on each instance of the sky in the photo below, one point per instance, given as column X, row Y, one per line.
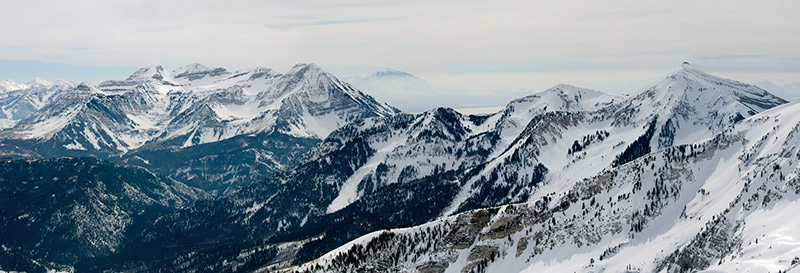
column 493, row 47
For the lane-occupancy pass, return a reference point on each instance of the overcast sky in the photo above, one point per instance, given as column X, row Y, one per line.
column 613, row 46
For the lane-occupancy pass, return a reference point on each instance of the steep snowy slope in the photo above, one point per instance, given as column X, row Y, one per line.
column 723, row 205
column 686, row 107
column 690, row 105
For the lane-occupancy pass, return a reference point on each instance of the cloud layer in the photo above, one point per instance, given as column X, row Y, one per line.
column 470, row 43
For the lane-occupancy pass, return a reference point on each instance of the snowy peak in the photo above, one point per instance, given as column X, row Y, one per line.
column 184, row 74
column 691, row 104
column 11, row 85
column 152, row 72
column 303, row 68
column 197, row 71
column 20, row 100
column 193, row 105
column 564, row 97
column 259, row 73
column 40, row 82
column 696, row 82
column 190, row 69
column 560, row 98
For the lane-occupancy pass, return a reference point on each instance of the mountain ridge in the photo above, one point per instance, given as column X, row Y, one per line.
column 685, row 217
column 543, row 166
column 366, row 175
column 156, row 109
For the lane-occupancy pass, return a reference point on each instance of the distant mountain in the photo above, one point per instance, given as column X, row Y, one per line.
column 156, row 114
column 415, row 95
column 788, row 90
column 193, row 105
column 408, row 169
column 402, row 89
column 19, row 101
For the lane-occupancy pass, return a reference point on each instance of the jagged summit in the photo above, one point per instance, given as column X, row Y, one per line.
column 197, row 71
column 305, row 68
column 196, row 104
column 145, row 73
column 184, row 74
column 191, row 68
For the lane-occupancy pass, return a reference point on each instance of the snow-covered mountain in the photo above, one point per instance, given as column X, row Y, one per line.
column 195, row 105
column 410, row 168
column 695, row 172
column 19, row 101
column 723, row 204
column 690, row 105
column 155, row 114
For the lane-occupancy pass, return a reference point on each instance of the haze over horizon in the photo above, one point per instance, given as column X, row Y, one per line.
column 465, row 46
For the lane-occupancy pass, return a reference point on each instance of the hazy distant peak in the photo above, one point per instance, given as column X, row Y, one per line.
column 782, row 88
column 387, row 72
